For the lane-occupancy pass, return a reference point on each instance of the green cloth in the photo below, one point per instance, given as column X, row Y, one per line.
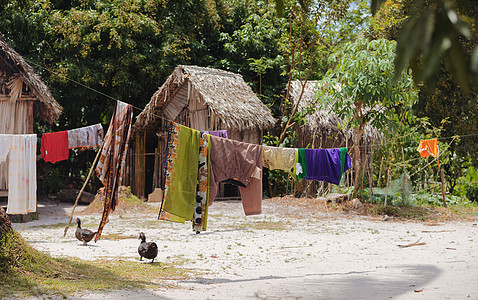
column 181, row 193
column 343, row 161
column 301, row 158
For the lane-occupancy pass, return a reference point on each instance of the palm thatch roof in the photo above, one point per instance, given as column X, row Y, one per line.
column 323, row 121
column 225, row 94
column 20, row 75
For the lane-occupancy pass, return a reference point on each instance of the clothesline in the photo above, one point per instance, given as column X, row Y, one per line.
column 168, row 120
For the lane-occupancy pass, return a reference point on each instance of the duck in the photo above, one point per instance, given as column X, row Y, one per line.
column 147, row 250
column 84, row 235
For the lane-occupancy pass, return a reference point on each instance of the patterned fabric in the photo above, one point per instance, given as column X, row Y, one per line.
column 22, row 175
column 171, row 156
column 85, row 137
column 201, row 204
column 113, row 154
column 181, row 172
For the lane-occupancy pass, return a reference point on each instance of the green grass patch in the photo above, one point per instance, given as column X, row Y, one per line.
column 25, row 271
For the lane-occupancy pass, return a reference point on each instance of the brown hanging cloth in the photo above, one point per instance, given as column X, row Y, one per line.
column 112, row 159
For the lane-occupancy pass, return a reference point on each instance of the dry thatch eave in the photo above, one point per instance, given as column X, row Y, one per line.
column 47, row 109
column 324, row 121
column 225, row 94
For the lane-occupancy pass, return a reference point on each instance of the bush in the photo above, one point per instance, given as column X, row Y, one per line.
column 472, row 192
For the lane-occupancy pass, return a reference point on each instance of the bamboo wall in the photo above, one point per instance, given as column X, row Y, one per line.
column 15, row 118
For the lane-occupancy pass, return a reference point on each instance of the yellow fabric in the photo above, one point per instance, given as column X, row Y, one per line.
column 279, row 158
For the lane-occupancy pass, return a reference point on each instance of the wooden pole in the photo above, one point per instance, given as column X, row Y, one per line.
column 443, row 187
column 386, row 191
column 82, row 188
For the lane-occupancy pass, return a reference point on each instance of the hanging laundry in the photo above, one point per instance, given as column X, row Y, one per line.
column 327, row 164
column 5, row 142
column 219, row 133
column 301, row 165
column 54, row 146
column 187, row 177
column 85, row 137
column 202, row 200
column 181, row 173
column 279, row 158
column 429, row 147
column 113, row 154
column 22, row 181
column 231, row 159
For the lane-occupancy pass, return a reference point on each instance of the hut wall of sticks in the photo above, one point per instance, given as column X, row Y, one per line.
column 323, row 129
column 22, row 95
column 201, row 98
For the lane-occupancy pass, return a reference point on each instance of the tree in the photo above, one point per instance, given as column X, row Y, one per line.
column 362, row 89
column 442, row 99
column 315, row 30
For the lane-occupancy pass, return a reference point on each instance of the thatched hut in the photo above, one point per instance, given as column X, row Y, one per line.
column 323, row 128
column 22, row 95
column 202, row 98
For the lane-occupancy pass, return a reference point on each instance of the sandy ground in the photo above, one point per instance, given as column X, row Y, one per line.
column 285, row 253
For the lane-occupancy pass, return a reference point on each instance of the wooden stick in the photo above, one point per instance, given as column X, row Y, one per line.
column 443, row 187
column 82, row 188
column 412, row 244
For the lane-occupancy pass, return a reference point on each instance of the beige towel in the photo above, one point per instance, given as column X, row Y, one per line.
column 279, row 158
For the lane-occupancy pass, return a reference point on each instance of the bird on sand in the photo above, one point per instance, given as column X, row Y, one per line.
column 82, row 234
column 147, row 250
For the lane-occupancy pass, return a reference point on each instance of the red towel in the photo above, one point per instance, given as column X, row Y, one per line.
column 54, row 146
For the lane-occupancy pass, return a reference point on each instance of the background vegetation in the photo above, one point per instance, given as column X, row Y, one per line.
column 92, row 52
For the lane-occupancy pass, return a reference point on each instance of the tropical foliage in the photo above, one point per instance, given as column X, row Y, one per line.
column 93, row 52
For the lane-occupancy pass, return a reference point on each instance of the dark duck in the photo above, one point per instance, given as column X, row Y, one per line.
column 147, row 250
column 84, row 235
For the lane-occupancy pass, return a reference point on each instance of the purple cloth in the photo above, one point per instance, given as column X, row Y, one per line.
column 324, row 164
column 219, row 133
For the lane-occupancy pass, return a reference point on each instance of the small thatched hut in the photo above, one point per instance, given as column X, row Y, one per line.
column 22, row 94
column 202, row 98
column 323, row 128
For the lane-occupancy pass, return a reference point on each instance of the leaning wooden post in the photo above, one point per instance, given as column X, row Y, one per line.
column 83, row 187
column 443, row 187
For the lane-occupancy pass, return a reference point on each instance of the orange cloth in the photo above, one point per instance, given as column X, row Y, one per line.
column 429, row 147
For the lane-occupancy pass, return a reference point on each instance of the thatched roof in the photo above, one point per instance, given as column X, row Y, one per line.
column 225, row 94
column 46, row 108
column 323, row 121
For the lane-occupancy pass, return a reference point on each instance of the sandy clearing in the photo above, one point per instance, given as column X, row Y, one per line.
column 269, row 256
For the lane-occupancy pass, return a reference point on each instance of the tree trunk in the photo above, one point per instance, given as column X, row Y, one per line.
column 5, row 225
column 357, row 164
column 358, row 132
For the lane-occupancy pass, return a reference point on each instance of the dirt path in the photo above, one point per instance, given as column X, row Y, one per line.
column 285, row 253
